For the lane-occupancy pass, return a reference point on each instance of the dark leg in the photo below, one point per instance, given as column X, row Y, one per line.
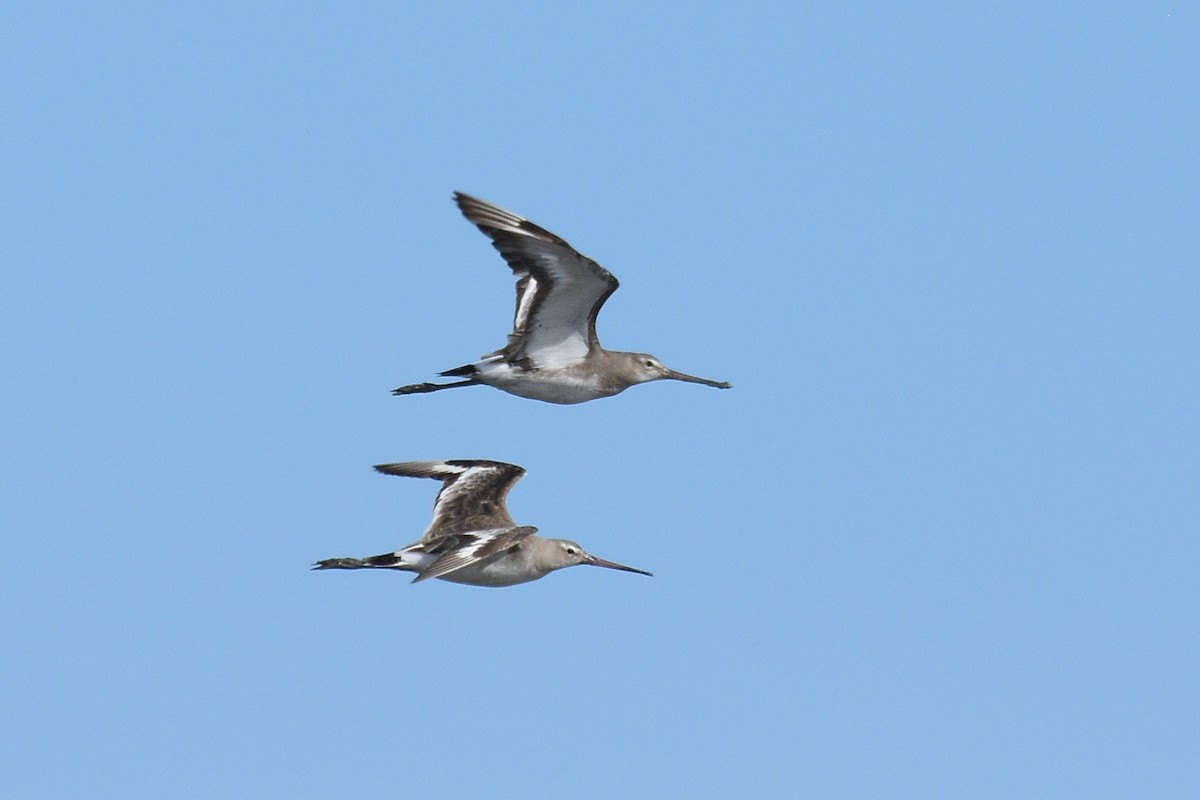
column 339, row 563
column 387, row 561
column 423, row 388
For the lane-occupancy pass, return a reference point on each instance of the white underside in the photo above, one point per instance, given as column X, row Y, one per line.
column 493, row 573
column 550, row 386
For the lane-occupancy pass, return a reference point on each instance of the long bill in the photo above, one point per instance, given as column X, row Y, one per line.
column 600, row 562
column 670, row 374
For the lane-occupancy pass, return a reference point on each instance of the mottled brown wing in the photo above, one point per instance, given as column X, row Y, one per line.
column 472, row 497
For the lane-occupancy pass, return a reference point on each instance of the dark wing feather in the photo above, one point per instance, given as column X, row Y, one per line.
column 559, row 290
column 472, row 497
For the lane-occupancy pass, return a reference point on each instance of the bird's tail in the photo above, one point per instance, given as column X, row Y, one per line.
column 465, row 371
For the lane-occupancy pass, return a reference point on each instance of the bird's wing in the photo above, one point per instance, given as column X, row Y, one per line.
column 472, row 497
column 465, row 549
column 559, row 290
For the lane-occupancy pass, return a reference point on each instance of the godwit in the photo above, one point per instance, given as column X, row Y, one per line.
column 552, row 353
column 472, row 538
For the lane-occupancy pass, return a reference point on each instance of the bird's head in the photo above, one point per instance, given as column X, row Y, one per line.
column 570, row 554
column 644, row 367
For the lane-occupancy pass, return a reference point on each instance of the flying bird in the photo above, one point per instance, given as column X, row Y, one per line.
column 473, row 539
column 553, row 353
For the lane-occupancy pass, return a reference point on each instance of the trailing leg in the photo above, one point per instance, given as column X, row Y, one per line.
column 423, row 388
column 385, row 561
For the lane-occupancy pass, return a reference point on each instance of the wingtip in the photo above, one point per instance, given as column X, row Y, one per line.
column 462, row 198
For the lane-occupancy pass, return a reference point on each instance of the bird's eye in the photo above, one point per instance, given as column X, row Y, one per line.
column 571, row 551
column 649, row 362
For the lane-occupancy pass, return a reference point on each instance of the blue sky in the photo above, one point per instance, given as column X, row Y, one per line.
column 938, row 541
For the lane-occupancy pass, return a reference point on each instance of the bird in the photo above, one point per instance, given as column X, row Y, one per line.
column 472, row 538
column 553, row 353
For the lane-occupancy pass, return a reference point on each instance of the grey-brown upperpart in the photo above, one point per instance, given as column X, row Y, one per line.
column 553, row 353
column 473, row 539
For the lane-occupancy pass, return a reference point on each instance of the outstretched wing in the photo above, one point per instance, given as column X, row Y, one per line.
column 472, row 497
column 559, row 290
